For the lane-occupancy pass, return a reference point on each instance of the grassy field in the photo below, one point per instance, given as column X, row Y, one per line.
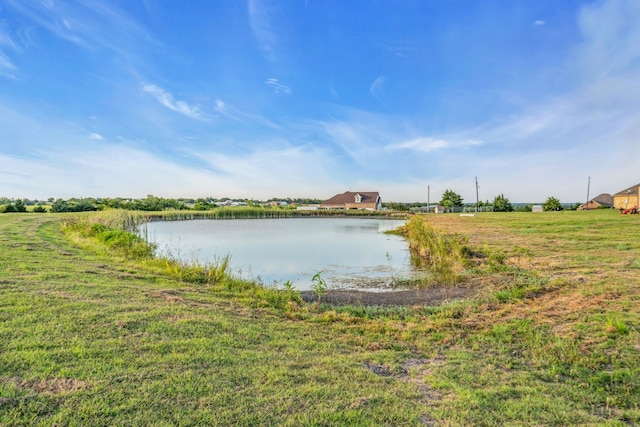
column 552, row 337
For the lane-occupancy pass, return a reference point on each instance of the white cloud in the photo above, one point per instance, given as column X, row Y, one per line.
column 427, row 144
column 85, row 24
column 226, row 110
column 7, row 67
column 166, row 99
column 263, row 172
column 96, row 136
column 539, row 22
column 376, row 87
column 261, row 16
column 121, row 171
column 277, row 86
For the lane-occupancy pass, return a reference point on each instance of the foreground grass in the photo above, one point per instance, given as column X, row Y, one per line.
column 87, row 337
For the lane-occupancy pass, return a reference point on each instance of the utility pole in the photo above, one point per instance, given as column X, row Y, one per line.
column 428, row 198
column 586, row 206
column 477, row 198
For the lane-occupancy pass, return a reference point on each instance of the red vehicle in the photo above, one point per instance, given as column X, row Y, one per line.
column 633, row 210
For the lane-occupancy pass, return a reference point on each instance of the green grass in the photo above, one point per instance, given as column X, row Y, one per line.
column 92, row 333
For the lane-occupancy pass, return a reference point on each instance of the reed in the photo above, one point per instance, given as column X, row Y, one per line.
column 445, row 255
column 251, row 212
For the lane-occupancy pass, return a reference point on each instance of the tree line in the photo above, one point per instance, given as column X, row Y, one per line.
column 450, row 199
column 149, row 203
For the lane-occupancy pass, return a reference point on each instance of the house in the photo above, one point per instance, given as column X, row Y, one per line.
column 627, row 198
column 537, row 208
column 603, row 200
column 368, row 200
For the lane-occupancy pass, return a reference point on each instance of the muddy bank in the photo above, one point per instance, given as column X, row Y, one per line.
column 429, row 296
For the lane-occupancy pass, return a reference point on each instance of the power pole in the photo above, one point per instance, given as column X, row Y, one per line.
column 428, row 198
column 586, row 206
column 477, row 198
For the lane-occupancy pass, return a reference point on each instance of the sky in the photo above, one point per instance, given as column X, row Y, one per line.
column 310, row 98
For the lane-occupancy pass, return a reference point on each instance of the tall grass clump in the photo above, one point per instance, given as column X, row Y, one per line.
column 445, row 255
column 113, row 229
column 212, row 273
column 110, row 231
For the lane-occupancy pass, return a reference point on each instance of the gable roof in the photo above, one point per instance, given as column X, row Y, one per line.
column 350, row 197
column 604, row 199
column 630, row 190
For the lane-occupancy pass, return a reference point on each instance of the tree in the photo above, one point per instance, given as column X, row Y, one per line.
column 203, row 205
column 502, row 204
column 552, row 204
column 20, row 206
column 451, row 199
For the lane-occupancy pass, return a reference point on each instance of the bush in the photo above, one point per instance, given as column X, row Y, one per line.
column 502, row 204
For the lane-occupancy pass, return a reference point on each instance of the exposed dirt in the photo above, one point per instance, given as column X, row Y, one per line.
column 427, row 296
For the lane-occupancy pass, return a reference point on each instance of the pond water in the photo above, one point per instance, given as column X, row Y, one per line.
column 350, row 253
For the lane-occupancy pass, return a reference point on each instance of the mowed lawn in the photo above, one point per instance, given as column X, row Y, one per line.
column 552, row 337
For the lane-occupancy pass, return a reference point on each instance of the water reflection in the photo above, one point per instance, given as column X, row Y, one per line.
column 350, row 252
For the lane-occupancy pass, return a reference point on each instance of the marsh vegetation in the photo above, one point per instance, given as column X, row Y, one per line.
column 94, row 330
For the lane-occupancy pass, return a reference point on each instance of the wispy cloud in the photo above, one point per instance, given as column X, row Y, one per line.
column 539, row 22
column 166, row 99
column 265, row 170
column 400, row 50
column 228, row 111
column 427, row 144
column 261, row 17
column 376, row 87
column 278, row 87
column 96, row 136
column 86, row 24
column 7, row 68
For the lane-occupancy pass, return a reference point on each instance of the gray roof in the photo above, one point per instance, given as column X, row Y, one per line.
column 630, row 190
column 604, row 199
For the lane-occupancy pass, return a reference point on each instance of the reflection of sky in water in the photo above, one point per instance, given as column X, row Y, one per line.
column 277, row 250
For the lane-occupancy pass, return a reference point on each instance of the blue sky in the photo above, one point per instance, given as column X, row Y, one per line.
column 309, row 98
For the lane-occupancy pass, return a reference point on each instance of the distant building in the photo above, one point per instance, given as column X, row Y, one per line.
column 627, row 198
column 368, row 200
column 308, row 208
column 537, row 208
column 601, row 200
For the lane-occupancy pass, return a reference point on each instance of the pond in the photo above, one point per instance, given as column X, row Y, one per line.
column 349, row 253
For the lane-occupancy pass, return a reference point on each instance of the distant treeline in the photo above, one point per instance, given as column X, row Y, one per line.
column 149, row 203
column 154, row 204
